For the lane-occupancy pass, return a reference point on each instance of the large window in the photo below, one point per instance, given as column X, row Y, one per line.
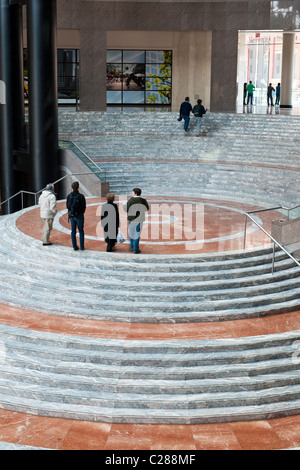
column 139, row 77
column 67, row 75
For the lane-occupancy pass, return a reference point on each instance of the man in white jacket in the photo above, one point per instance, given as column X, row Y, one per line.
column 48, row 210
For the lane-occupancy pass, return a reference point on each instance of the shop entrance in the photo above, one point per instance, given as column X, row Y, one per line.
column 260, row 60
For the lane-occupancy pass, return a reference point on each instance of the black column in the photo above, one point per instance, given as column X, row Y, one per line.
column 42, row 78
column 12, row 111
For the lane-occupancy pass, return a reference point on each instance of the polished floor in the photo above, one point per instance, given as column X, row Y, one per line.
column 220, row 228
column 172, row 226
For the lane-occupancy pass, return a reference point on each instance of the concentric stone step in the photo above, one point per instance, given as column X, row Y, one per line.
column 149, row 381
column 175, row 288
column 234, row 159
column 164, row 381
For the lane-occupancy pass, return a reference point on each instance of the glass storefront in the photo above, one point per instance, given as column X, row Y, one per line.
column 259, row 60
column 67, row 75
column 138, row 77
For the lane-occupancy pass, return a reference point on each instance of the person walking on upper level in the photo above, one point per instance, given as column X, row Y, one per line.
column 135, row 208
column 76, row 206
column 250, row 90
column 184, row 112
column 198, row 111
column 48, row 210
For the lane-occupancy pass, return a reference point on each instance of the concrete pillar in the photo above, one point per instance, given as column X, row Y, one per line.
column 287, row 69
column 223, row 71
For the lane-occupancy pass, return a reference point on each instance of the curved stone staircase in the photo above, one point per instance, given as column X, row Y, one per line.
column 238, row 157
column 146, row 381
column 149, row 381
column 169, row 381
column 171, row 288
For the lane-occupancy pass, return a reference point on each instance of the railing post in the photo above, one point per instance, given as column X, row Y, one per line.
column 245, row 234
column 273, row 261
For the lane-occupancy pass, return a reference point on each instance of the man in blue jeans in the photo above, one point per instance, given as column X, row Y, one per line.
column 185, row 110
column 76, row 206
column 136, row 208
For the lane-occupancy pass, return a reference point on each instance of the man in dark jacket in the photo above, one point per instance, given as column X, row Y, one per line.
column 185, row 109
column 110, row 221
column 76, row 206
column 198, row 112
column 135, row 208
column 270, row 94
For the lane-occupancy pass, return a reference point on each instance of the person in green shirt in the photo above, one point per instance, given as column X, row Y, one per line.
column 250, row 89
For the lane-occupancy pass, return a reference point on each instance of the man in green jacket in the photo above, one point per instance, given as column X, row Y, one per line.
column 250, row 89
column 136, row 208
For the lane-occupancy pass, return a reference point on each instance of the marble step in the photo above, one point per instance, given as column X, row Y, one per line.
column 145, row 402
column 22, row 245
column 131, row 310
column 103, row 149
column 222, row 366
column 260, row 380
column 147, row 291
column 185, row 280
column 146, row 123
column 261, row 189
column 93, row 293
column 92, row 352
column 201, row 172
column 14, row 244
column 231, row 138
column 123, row 266
column 192, row 302
column 148, row 416
column 128, row 309
column 156, row 387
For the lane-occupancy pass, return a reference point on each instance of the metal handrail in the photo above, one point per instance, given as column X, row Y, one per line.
column 22, row 192
column 275, row 242
column 288, row 209
column 85, row 155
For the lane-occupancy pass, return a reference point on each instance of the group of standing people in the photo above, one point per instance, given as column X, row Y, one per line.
column 270, row 92
column 249, row 90
column 136, row 208
column 186, row 109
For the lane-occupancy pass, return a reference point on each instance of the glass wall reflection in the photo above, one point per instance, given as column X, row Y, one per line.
column 285, row 14
column 259, row 60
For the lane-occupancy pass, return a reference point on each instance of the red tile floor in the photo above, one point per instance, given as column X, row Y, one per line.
column 63, row 434
column 174, row 226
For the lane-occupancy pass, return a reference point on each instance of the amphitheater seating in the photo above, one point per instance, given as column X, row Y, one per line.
column 173, row 380
column 237, row 157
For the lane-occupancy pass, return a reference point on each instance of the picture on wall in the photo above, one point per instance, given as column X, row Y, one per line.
column 139, row 77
